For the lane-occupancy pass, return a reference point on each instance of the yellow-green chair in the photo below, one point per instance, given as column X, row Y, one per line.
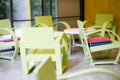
column 102, row 21
column 49, row 22
column 37, row 42
column 45, row 71
column 90, row 50
column 8, row 39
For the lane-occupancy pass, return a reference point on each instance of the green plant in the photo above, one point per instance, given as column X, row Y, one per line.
column 3, row 8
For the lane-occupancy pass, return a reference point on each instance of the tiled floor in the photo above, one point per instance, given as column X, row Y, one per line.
column 11, row 70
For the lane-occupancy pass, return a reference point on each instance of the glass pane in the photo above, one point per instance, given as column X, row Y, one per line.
column 3, row 9
column 49, row 7
column 43, row 7
column 36, row 8
column 46, row 7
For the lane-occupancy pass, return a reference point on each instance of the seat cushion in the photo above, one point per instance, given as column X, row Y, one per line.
column 9, row 40
column 99, row 41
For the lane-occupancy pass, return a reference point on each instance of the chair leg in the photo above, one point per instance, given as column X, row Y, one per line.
column 118, row 56
column 65, row 59
column 24, row 66
column 59, row 66
column 91, row 60
column 64, row 51
column 108, row 54
column 58, row 61
column 15, row 53
column 69, row 43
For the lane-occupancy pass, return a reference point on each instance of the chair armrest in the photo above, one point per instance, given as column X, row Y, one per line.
column 88, row 21
column 64, row 23
column 58, row 38
column 63, row 40
column 61, row 37
column 40, row 25
column 91, row 25
column 109, row 24
column 93, row 32
column 112, row 34
column 9, row 32
column 89, row 72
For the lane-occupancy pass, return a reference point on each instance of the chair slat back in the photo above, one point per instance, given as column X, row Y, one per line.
column 102, row 18
column 44, row 19
column 4, row 23
column 41, row 37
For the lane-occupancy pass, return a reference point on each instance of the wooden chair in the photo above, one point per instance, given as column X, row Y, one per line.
column 37, row 42
column 45, row 71
column 8, row 39
column 90, row 50
column 102, row 21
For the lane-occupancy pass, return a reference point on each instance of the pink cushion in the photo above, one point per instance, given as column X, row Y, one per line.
column 98, row 39
column 9, row 40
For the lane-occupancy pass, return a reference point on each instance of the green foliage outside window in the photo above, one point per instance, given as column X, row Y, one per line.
column 3, row 9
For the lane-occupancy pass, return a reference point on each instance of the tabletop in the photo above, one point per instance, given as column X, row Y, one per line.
column 76, row 30
column 72, row 31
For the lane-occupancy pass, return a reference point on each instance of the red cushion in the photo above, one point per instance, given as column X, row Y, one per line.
column 98, row 39
column 9, row 40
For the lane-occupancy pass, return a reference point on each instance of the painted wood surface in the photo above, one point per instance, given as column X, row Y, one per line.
column 93, row 7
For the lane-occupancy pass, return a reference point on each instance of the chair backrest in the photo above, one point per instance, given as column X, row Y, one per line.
column 45, row 70
column 102, row 18
column 38, row 37
column 44, row 19
column 5, row 23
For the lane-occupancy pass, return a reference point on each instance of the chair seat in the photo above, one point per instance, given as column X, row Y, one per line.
column 44, row 51
column 105, row 47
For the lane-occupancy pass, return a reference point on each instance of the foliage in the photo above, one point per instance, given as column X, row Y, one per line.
column 3, row 8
